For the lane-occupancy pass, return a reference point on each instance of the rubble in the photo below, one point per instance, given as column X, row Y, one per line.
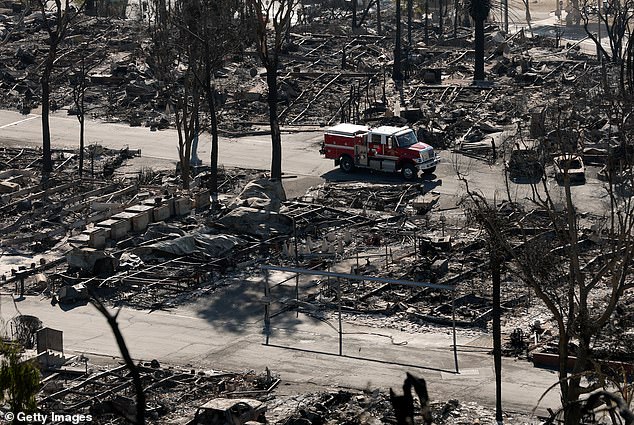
column 141, row 242
column 173, row 394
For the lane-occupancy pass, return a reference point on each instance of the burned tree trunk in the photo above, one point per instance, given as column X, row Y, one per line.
column 354, row 14
column 397, row 72
column 269, row 48
column 127, row 358
column 47, row 161
column 479, row 11
column 57, row 29
column 276, row 136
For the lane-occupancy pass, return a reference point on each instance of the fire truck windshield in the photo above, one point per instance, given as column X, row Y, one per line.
column 407, row 139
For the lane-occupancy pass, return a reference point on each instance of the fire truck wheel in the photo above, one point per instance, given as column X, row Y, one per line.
column 409, row 172
column 429, row 170
column 346, row 164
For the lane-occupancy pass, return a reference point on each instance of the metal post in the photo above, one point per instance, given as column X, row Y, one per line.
column 267, row 307
column 599, row 56
column 453, row 320
column 357, row 270
column 296, row 265
column 415, row 246
column 340, row 325
column 386, row 264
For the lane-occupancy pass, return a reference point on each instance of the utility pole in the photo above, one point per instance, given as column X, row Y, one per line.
column 495, row 262
column 426, row 22
column 455, row 18
column 440, row 18
column 410, row 12
column 599, row 56
column 397, row 72
column 506, row 16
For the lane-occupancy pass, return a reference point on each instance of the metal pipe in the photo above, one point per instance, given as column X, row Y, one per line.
column 340, row 322
column 267, row 307
column 386, row 264
column 296, row 265
column 358, row 277
column 453, row 325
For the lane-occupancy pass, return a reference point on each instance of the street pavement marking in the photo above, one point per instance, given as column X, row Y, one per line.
column 463, row 374
column 18, row 122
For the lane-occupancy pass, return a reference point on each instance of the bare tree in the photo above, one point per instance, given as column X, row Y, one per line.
column 527, row 15
column 366, row 12
column 187, row 119
column 354, row 6
column 86, row 57
column 379, row 30
column 410, row 16
column 210, row 28
column 173, row 51
column 127, row 358
column 615, row 18
column 269, row 44
column 63, row 16
column 579, row 282
column 487, row 216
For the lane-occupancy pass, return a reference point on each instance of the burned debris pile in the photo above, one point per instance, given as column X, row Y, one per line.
column 371, row 408
column 172, row 395
column 140, row 241
column 324, row 78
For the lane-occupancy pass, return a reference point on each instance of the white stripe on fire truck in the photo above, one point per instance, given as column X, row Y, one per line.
column 385, row 157
column 340, row 147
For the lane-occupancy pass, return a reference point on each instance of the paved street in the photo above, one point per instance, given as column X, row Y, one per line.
column 224, row 331
column 300, row 157
column 227, row 334
column 301, row 151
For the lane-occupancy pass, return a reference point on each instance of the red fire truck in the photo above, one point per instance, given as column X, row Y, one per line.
column 384, row 148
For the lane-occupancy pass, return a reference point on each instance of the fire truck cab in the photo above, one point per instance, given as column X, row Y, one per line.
column 386, row 148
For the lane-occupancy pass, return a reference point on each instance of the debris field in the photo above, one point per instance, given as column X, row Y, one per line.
column 140, row 241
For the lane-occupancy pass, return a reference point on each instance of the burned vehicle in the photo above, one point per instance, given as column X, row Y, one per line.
column 525, row 163
column 228, row 411
column 570, row 165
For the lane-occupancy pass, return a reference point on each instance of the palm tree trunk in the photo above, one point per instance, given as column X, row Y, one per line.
column 479, row 50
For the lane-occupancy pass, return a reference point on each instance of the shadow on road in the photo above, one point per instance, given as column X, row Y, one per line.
column 240, row 305
column 373, row 176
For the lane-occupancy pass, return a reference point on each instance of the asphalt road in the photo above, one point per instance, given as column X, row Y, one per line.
column 223, row 331
column 227, row 334
column 300, row 158
column 301, row 150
